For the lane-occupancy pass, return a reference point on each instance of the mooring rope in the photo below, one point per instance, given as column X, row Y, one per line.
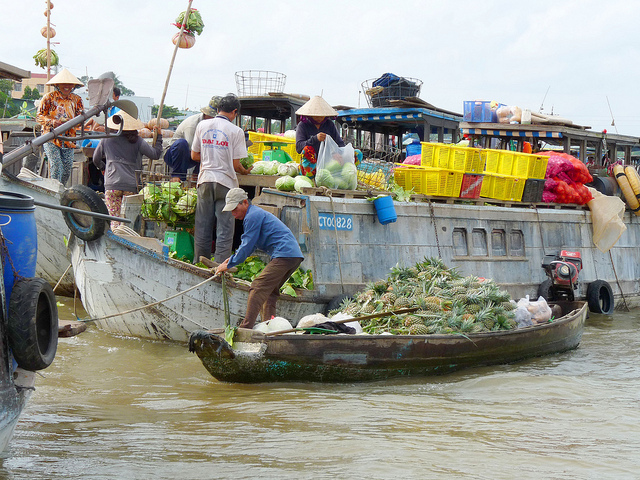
column 618, row 282
column 149, row 305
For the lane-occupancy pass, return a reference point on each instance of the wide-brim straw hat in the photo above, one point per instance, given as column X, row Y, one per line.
column 317, row 107
column 65, row 76
column 130, row 123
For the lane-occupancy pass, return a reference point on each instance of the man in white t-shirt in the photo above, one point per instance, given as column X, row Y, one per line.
column 218, row 145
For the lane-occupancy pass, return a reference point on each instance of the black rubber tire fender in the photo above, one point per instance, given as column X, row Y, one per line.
column 545, row 291
column 83, row 226
column 32, row 325
column 600, row 297
column 335, row 302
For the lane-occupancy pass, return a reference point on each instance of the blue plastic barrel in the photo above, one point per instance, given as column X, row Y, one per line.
column 19, row 235
column 385, row 210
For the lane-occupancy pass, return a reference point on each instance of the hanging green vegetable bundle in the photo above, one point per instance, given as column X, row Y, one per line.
column 194, row 22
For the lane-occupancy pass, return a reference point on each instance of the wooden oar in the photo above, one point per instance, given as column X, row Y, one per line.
column 348, row 320
column 166, row 83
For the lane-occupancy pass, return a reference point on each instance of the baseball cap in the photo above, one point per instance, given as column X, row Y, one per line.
column 233, row 198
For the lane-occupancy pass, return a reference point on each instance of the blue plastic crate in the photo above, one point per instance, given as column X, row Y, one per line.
column 479, row 111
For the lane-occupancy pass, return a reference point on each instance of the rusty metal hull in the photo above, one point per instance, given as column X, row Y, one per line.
column 352, row 358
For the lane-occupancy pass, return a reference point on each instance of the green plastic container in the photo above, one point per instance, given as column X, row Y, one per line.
column 180, row 242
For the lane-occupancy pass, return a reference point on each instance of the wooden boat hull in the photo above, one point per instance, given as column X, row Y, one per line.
column 52, row 261
column 122, row 275
column 353, row 358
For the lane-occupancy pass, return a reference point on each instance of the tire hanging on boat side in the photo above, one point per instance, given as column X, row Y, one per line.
column 32, row 324
column 83, row 226
column 600, row 297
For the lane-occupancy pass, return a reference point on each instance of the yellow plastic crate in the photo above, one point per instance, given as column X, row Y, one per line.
column 434, row 154
column 467, row 159
column 498, row 161
column 258, row 148
column 539, row 169
column 502, row 187
column 402, row 178
column 442, row 182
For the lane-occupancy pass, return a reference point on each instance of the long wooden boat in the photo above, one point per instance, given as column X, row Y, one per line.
column 256, row 357
column 131, row 285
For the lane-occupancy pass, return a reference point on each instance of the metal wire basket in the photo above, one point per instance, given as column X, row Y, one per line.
column 380, row 91
column 259, row 82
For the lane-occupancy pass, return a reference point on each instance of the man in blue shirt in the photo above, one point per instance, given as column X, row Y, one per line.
column 264, row 231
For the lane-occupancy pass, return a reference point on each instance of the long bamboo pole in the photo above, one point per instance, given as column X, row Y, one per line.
column 166, row 84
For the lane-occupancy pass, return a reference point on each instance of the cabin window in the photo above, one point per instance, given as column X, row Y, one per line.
column 498, row 243
column 40, row 88
column 516, row 243
column 460, row 247
column 479, row 242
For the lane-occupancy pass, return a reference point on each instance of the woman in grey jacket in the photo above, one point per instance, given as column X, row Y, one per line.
column 120, row 158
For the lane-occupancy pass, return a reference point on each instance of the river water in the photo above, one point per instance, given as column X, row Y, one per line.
column 122, row 408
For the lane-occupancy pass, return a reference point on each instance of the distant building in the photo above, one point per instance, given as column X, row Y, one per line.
column 36, row 81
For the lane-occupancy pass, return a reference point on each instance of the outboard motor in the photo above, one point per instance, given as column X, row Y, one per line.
column 563, row 270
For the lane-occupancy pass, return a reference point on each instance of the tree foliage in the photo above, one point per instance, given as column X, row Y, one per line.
column 30, row 93
column 167, row 111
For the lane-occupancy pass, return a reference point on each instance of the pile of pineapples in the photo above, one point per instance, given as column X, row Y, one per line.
column 447, row 302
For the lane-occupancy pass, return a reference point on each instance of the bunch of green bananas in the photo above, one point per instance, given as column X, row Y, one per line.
column 194, row 22
column 41, row 58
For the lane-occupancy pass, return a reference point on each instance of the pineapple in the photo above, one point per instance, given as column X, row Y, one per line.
column 411, row 320
column 402, row 302
column 418, row 329
column 388, row 299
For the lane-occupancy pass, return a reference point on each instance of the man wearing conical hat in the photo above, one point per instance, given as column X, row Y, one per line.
column 314, row 126
column 120, row 158
column 58, row 107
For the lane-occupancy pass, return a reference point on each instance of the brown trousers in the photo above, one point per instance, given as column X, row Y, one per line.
column 265, row 289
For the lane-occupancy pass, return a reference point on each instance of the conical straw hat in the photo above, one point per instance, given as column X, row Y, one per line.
column 130, row 123
column 65, row 76
column 317, row 107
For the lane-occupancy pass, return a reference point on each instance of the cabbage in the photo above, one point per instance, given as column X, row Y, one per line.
column 247, row 161
column 167, row 214
column 285, row 183
column 324, row 178
column 302, row 182
column 151, row 193
column 171, row 190
column 258, row 168
column 271, row 167
column 349, row 176
column 186, row 205
column 289, row 168
column 334, row 166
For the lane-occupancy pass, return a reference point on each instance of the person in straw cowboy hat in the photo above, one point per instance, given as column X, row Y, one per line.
column 315, row 124
column 56, row 108
column 120, row 157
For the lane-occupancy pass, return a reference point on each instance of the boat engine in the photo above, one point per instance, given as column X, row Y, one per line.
column 563, row 270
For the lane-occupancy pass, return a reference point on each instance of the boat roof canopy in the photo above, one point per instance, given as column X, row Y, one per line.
column 13, row 73
column 281, row 107
column 397, row 121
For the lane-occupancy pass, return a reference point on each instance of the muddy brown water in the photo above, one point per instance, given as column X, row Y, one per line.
column 122, row 408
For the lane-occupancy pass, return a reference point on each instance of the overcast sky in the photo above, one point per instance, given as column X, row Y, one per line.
column 577, row 58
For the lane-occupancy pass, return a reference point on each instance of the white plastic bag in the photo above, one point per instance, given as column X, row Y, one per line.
column 540, row 310
column 335, row 167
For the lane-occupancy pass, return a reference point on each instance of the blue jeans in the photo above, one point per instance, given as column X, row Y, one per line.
column 210, row 217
